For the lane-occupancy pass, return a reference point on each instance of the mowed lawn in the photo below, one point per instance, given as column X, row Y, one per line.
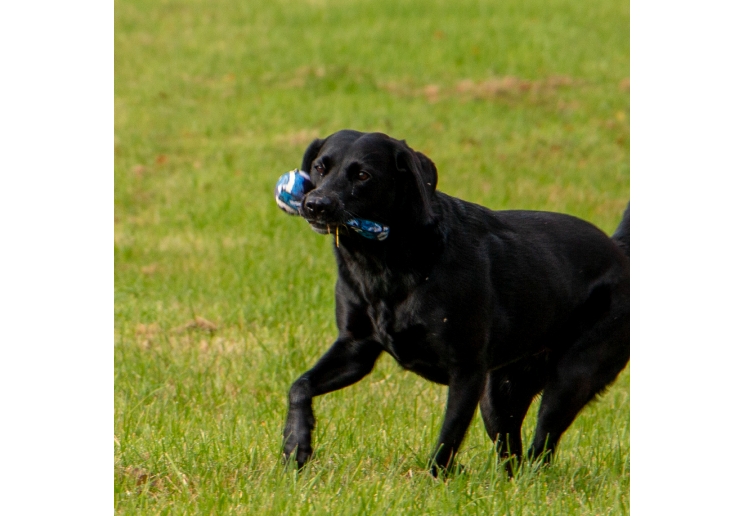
column 222, row 300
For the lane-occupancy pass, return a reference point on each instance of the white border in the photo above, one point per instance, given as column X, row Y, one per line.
column 686, row 174
column 56, row 266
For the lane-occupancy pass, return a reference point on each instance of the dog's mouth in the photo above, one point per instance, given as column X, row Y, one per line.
column 324, row 228
column 331, row 223
column 323, row 224
column 366, row 228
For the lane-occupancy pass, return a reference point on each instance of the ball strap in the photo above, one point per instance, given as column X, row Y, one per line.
column 369, row 229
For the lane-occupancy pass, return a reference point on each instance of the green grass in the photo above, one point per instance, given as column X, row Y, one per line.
column 520, row 105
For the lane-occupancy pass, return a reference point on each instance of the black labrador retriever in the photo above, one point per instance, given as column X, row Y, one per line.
column 498, row 305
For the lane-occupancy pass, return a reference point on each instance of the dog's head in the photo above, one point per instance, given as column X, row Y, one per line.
column 369, row 176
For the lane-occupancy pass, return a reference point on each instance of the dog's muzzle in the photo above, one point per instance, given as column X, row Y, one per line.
column 323, row 212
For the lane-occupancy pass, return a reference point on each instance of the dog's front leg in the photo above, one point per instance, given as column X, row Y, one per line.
column 347, row 362
column 465, row 390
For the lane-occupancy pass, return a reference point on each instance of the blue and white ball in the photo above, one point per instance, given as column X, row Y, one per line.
column 290, row 189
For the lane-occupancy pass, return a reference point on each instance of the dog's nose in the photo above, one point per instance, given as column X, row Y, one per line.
column 316, row 206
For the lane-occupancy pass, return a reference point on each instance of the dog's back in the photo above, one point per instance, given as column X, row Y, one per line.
column 542, row 267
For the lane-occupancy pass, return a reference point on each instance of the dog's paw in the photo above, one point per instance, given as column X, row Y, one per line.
column 447, row 472
column 297, row 433
column 298, row 449
column 297, row 454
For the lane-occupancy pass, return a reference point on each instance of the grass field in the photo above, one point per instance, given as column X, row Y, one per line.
column 221, row 300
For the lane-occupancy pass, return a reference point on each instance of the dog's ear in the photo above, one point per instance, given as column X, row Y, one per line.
column 424, row 173
column 310, row 154
column 428, row 173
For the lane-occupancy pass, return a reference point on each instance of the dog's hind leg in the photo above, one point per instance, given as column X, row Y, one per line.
column 347, row 362
column 587, row 367
column 508, row 395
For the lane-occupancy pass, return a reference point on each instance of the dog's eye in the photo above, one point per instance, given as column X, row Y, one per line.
column 362, row 176
column 321, row 169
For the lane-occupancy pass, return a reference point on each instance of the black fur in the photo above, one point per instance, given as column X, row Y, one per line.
column 498, row 305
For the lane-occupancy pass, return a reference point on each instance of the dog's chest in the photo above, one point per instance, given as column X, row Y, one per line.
column 393, row 303
column 408, row 338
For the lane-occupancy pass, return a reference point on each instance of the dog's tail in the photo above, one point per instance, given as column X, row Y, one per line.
column 622, row 233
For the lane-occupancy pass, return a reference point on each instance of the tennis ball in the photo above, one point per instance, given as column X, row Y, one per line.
column 290, row 189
